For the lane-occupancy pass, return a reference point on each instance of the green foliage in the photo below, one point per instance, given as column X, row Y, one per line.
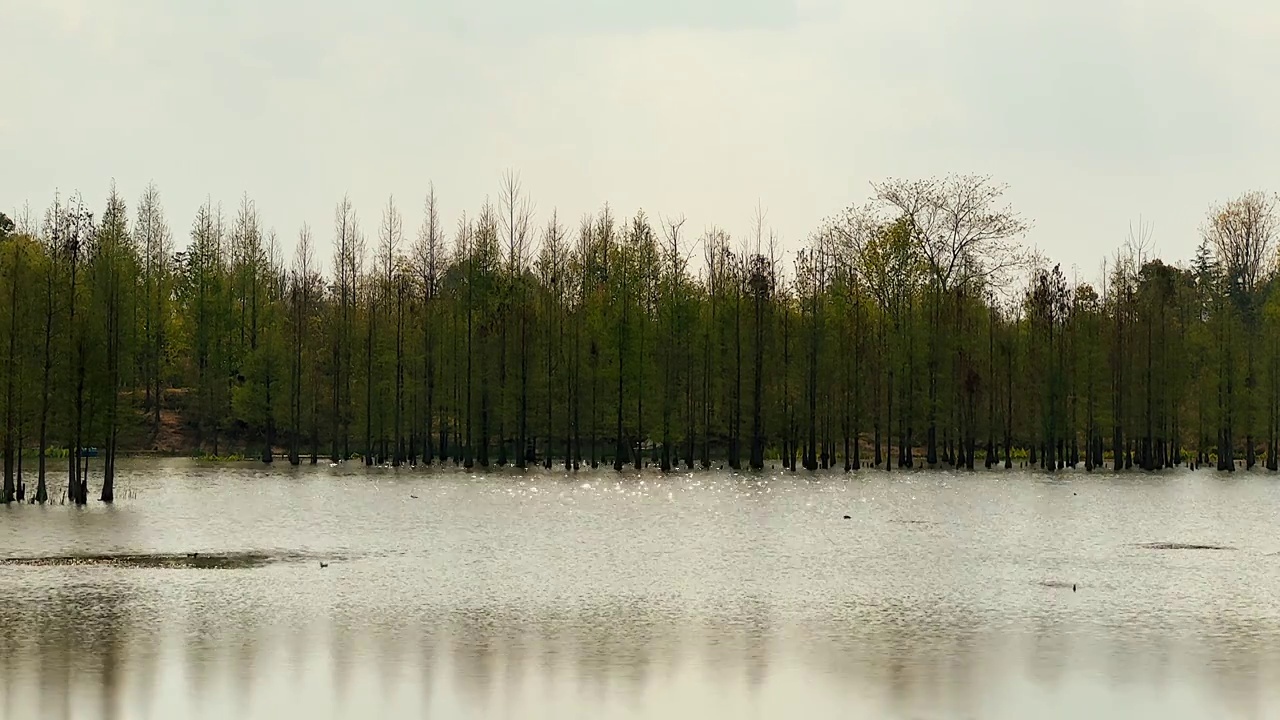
column 894, row 333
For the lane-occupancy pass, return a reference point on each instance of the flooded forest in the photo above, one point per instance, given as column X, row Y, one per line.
column 914, row 328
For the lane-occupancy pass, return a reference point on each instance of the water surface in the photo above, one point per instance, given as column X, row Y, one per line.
column 459, row 595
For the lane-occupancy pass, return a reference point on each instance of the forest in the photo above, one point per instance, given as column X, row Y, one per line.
column 916, row 328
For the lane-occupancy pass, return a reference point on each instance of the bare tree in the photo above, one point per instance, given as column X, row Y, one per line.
column 551, row 267
column 346, row 253
column 675, row 264
column 428, row 259
column 390, row 236
column 516, row 216
column 1242, row 233
column 71, row 231
column 965, row 238
column 301, row 289
column 156, row 241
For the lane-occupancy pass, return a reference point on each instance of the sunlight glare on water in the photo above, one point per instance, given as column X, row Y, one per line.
column 551, row 595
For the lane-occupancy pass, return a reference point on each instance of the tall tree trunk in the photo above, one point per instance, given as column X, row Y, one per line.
column 469, row 443
column 10, row 486
column 640, row 395
column 502, row 389
column 397, row 457
column 113, row 372
column 368, row 384
column 620, row 445
column 757, row 394
column 524, row 452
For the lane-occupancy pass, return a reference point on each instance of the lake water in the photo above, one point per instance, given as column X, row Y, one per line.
column 452, row 595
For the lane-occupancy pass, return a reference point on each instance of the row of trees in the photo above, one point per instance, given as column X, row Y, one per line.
column 891, row 338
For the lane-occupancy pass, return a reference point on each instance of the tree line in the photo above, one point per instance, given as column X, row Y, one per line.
column 892, row 338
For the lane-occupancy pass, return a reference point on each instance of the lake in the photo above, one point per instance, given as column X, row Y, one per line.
column 459, row 595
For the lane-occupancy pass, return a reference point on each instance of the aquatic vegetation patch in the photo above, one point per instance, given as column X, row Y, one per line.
column 1181, row 546
column 192, row 560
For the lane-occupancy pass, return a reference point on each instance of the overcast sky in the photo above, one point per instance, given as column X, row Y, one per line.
column 1094, row 112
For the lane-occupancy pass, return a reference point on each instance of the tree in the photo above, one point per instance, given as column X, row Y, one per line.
column 905, row 311
column 1242, row 233
column 152, row 235
column 516, row 218
column 963, row 239
column 113, row 263
column 429, row 261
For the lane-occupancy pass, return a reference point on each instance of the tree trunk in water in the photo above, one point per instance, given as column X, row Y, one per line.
column 1117, row 448
column 397, row 429
column 42, row 489
column 79, row 485
column 524, row 452
column 888, row 426
column 113, row 364
column 10, row 487
column 639, row 460
column 368, row 386
column 757, row 413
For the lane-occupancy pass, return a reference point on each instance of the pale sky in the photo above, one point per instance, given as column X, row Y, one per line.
column 1094, row 112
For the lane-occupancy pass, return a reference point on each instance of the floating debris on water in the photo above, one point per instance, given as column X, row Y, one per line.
column 1181, row 546
column 186, row 560
column 1058, row 585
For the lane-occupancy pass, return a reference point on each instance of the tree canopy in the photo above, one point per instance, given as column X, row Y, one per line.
column 894, row 337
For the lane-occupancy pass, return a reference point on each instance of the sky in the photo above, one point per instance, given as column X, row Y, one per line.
column 1096, row 113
